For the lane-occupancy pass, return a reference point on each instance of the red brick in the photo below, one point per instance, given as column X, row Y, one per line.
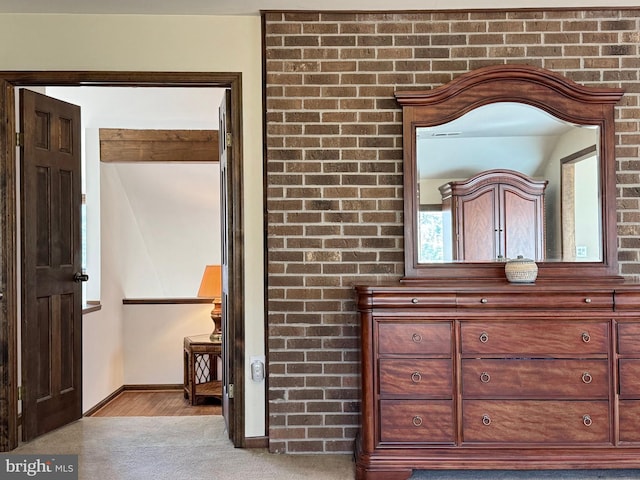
column 334, row 172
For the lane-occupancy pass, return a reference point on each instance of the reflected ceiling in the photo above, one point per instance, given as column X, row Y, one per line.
column 506, row 135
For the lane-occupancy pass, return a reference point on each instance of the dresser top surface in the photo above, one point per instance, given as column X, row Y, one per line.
column 497, row 287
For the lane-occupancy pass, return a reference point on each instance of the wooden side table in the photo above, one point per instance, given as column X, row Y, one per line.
column 201, row 368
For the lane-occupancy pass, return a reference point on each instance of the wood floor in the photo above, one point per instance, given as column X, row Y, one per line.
column 155, row 403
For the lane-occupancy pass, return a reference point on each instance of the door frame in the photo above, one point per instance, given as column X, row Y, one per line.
column 9, row 80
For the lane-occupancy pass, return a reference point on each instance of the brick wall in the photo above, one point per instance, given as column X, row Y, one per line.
column 334, row 172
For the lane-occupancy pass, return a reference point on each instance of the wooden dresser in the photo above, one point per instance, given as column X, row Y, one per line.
column 497, row 375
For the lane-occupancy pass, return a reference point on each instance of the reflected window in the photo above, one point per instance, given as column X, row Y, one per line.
column 431, row 234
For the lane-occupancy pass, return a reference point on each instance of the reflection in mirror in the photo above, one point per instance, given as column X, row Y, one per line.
column 526, row 179
column 579, row 219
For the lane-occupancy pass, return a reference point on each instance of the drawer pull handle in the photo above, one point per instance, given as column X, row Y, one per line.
column 484, row 300
column 586, row 419
column 587, row 300
column 417, row 421
column 416, row 377
column 586, row 338
column 484, row 337
column 414, row 300
column 586, row 377
column 416, row 337
column 485, row 377
column 486, row 420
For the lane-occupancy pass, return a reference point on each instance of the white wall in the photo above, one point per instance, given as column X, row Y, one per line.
column 175, row 210
column 587, row 205
column 159, row 43
column 571, row 142
column 153, row 350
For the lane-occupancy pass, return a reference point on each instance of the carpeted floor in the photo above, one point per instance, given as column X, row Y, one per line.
column 197, row 448
column 176, row 448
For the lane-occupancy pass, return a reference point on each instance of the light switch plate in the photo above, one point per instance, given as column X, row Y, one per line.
column 257, row 368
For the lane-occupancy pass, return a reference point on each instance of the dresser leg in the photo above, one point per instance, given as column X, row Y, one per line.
column 391, row 474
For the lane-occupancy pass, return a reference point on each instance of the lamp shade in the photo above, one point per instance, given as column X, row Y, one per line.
column 211, row 284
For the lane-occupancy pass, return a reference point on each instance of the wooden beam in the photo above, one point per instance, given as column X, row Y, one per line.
column 126, row 145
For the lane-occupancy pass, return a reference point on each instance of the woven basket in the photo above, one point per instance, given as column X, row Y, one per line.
column 521, row 270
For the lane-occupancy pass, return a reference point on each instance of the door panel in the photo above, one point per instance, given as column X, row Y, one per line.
column 51, row 256
column 521, row 220
column 226, row 243
column 479, row 226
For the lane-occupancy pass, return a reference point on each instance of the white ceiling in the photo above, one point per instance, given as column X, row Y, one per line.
column 253, row 7
column 505, row 135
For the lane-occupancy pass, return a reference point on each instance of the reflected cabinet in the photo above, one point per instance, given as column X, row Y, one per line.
column 495, row 215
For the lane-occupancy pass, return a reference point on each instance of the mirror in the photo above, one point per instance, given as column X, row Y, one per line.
column 509, row 160
column 562, row 223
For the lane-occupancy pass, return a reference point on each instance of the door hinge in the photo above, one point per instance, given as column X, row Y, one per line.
column 20, row 392
column 19, row 139
column 228, row 137
column 230, row 390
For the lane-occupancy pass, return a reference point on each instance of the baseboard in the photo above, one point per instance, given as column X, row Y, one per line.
column 143, row 387
column 256, row 442
column 103, row 402
column 155, row 387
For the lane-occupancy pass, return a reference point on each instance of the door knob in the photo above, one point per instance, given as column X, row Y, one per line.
column 80, row 277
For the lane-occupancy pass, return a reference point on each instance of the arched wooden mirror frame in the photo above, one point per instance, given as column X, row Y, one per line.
column 553, row 93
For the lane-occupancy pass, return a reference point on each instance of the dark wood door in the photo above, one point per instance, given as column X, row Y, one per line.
column 226, row 243
column 51, row 259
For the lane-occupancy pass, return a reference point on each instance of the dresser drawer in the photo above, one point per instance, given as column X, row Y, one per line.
column 414, row 338
column 629, row 338
column 627, row 299
column 629, row 416
column 629, row 377
column 539, row 300
column 410, row 421
column 414, row 299
column 507, row 378
column 529, row 338
column 415, row 378
column 535, row 421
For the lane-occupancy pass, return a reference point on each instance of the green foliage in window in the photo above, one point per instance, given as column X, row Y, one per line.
column 431, row 239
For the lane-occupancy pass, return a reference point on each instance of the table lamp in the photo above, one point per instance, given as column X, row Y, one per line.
column 211, row 287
